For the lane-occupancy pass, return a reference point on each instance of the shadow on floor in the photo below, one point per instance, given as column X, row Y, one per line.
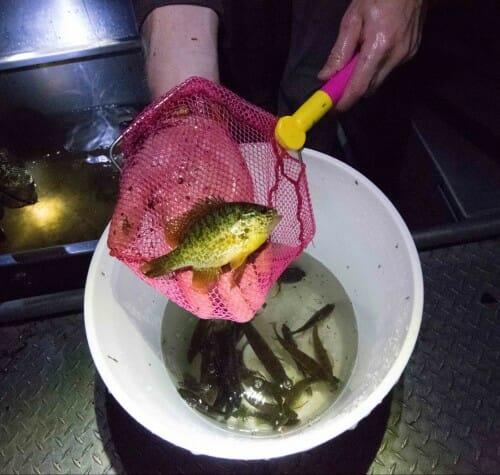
column 132, row 449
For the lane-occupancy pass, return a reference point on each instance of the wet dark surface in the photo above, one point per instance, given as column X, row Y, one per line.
column 140, row 451
column 56, row 415
column 76, row 184
column 430, row 136
column 76, row 198
column 442, row 417
column 429, row 139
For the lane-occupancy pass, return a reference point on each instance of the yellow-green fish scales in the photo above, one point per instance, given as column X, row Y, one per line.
column 227, row 234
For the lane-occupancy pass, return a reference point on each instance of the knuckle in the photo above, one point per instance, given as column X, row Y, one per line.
column 382, row 44
column 335, row 54
column 393, row 36
column 351, row 19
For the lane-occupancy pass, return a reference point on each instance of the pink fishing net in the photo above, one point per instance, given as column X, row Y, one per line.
column 199, row 141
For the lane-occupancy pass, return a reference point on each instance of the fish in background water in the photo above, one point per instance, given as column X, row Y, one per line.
column 17, row 187
column 212, row 235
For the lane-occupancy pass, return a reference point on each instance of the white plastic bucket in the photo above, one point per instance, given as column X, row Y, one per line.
column 360, row 237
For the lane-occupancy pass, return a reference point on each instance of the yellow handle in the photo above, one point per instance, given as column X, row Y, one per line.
column 291, row 130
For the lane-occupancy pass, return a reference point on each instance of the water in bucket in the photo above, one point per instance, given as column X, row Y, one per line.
column 252, row 406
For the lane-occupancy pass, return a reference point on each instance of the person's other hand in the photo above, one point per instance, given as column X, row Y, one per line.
column 386, row 32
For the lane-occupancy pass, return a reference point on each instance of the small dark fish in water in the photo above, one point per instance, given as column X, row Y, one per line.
column 305, row 363
column 277, row 418
column 197, row 402
column 267, row 390
column 298, row 389
column 288, row 337
column 198, row 338
column 205, row 391
column 209, row 346
column 227, row 388
column 317, row 316
column 323, row 358
column 266, row 356
column 288, row 334
column 254, row 399
column 220, row 362
column 291, row 275
column 227, row 371
column 208, row 372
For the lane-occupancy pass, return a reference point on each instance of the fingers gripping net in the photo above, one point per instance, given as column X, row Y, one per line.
column 200, row 141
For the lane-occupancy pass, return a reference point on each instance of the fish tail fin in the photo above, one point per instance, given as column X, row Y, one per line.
column 160, row 266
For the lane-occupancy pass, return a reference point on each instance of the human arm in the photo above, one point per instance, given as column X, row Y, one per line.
column 386, row 33
column 181, row 41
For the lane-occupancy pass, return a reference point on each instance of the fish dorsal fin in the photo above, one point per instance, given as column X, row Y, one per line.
column 177, row 228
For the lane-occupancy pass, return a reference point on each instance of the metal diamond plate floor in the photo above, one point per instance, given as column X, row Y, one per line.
column 442, row 417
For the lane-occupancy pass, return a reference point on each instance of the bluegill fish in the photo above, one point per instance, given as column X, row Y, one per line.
column 317, row 317
column 212, row 235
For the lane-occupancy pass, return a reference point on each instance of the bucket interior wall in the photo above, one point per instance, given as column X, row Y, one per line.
column 374, row 268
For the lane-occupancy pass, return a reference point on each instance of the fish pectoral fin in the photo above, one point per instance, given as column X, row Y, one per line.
column 205, row 280
column 238, row 268
column 238, row 262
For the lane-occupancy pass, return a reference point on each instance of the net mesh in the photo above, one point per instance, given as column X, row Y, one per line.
column 199, row 141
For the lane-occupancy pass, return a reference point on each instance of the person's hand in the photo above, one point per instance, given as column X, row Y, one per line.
column 386, row 32
column 181, row 41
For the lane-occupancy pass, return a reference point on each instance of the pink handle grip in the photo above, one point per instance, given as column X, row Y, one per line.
column 336, row 85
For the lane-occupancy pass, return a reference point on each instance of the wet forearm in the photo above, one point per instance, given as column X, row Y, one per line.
column 181, row 41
